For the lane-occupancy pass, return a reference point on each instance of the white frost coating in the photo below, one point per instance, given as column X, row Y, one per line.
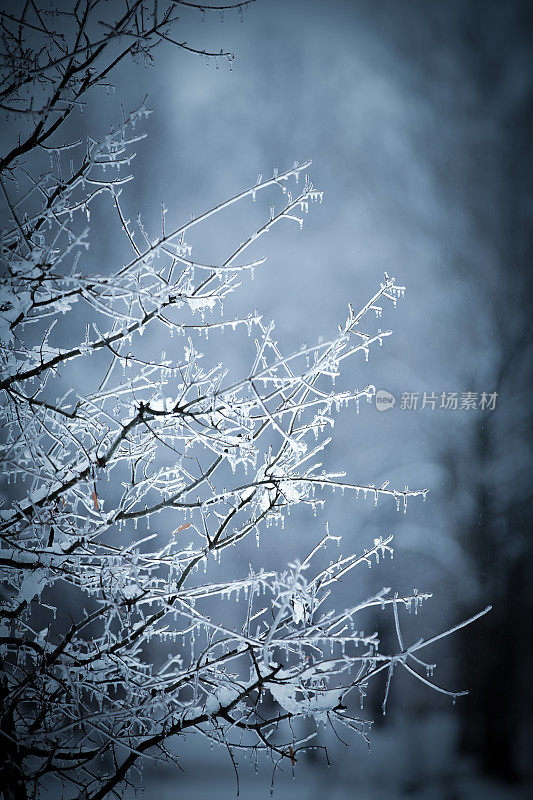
column 131, row 591
column 187, row 459
column 201, row 303
column 296, row 699
column 299, row 609
column 32, row 585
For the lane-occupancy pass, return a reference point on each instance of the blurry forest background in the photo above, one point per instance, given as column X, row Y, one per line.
column 417, row 117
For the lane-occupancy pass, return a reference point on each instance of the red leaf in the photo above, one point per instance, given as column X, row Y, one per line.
column 182, row 527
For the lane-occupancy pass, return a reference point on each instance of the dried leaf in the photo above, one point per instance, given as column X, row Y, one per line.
column 182, row 527
column 94, row 497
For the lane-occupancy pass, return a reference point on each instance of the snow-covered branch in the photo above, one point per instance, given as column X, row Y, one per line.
column 127, row 486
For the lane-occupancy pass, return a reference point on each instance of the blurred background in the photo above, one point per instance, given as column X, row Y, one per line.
column 417, row 117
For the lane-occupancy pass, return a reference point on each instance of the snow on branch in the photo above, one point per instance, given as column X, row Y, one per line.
column 127, row 486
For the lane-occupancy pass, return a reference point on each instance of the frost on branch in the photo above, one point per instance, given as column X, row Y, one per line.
column 123, row 494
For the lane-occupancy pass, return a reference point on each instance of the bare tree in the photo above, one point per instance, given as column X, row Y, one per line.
column 160, row 440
